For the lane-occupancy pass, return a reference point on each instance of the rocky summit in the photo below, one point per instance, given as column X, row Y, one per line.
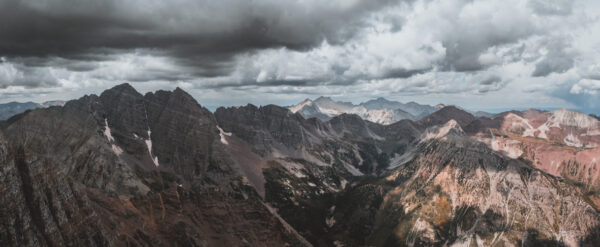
column 126, row 169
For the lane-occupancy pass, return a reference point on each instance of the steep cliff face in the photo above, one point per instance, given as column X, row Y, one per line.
column 123, row 169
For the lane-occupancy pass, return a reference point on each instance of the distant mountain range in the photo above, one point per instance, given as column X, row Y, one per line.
column 379, row 110
column 10, row 109
column 126, row 169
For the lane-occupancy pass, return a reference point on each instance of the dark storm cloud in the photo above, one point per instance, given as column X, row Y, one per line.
column 557, row 60
column 586, row 104
column 76, row 65
column 201, row 34
column 491, row 80
column 270, row 83
column 551, row 64
column 479, row 26
column 402, row 73
column 263, row 47
column 463, row 47
column 27, row 77
column 491, row 83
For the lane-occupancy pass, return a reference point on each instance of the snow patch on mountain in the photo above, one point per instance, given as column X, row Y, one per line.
column 223, row 134
column 107, row 131
column 330, row 221
column 149, row 146
column 116, row 149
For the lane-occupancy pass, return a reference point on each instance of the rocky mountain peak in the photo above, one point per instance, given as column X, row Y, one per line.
column 383, row 104
column 447, row 113
column 324, row 99
column 178, row 92
column 381, row 100
column 179, row 100
column 122, row 89
column 301, row 106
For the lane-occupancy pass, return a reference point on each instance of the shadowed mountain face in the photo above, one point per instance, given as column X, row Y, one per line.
column 127, row 169
column 158, row 169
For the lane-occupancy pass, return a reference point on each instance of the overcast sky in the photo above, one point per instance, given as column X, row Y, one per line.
column 476, row 54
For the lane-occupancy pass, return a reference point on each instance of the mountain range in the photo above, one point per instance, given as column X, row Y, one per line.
column 379, row 110
column 10, row 109
column 159, row 169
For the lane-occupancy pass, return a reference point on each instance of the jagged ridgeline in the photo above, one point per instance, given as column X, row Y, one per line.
column 126, row 169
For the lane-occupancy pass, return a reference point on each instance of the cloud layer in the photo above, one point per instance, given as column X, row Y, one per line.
column 474, row 53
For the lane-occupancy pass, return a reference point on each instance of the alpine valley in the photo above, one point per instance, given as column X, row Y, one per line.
column 126, row 169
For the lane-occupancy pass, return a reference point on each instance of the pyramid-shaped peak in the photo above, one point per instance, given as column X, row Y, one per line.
column 447, row 113
column 124, row 87
column 120, row 91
